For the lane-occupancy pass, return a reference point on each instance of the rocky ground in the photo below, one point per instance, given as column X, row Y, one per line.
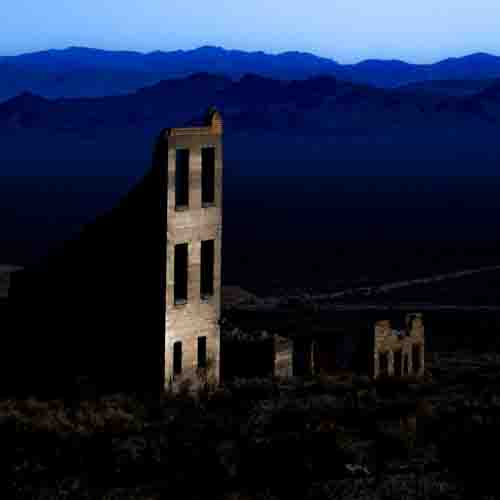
column 320, row 438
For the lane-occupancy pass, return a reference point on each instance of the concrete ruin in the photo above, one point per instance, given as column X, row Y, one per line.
column 400, row 352
column 283, row 357
column 382, row 350
column 194, row 222
column 133, row 302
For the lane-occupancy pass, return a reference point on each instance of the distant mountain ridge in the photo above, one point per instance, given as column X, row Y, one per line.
column 87, row 72
column 316, row 105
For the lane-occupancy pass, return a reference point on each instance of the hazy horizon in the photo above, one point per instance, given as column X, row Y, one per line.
column 347, row 30
column 238, row 49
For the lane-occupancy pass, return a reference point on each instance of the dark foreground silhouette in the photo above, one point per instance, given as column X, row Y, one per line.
column 317, row 438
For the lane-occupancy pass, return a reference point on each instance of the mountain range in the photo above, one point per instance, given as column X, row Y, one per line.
column 290, row 146
column 318, row 126
column 319, row 105
column 87, row 72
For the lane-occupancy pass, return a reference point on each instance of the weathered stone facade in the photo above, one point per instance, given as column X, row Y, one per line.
column 399, row 352
column 283, row 357
column 103, row 306
column 198, row 316
column 377, row 349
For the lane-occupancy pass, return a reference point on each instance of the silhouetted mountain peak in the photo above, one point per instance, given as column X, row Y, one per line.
column 205, row 76
column 254, row 77
column 471, row 60
column 306, row 56
column 78, row 49
column 203, row 81
column 26, row 98
column 479, row 56
column 378, row 63
column 26, row 110
column 210, row 49
column 89, row 72
column 493, row 90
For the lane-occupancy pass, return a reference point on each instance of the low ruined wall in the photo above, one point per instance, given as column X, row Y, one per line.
column 395, row 349
column 283, row 357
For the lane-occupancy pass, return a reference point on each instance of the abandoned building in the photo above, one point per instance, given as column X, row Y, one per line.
column 382, row 349
column 194, row 221
column 399, row 352
column 355, row 342
column 133, row 302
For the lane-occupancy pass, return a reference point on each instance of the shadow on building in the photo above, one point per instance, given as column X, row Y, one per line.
column 137, row 288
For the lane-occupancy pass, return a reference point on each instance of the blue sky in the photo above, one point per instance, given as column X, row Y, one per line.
column 345, row 30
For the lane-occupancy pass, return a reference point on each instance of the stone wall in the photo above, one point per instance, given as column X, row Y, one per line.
column 397, row 349
column 198, row 317
column 283, row 357
column 102, row 306
column 304, row 356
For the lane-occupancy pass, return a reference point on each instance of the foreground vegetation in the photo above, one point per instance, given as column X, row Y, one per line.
column 317, row 439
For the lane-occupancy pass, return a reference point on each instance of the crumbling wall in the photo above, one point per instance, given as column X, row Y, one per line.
column 400, row 352
column 102, row 306
column 198, row 316
column 283, row 357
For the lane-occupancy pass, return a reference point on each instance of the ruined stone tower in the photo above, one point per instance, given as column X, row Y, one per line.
column 194, row 229
column 132, row 302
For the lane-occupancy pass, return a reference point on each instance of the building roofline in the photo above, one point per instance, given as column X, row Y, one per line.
column 210, row 124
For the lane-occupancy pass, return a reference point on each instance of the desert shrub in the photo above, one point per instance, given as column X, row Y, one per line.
column 396, row 408
column 220, row 399
column 332, row 385
column 293, row 414
column 246, row 495
column 390, row 387
column 467, row 375
column 467, row 448
column 408, row 486
column 253, row 389
column 286, row 462
column 392, row 442
column 45, row 440
column 289, row 441
column 116, row 414
column 367, row 398
column 428, row 422
column 238, row 335
column 184, row 391
column 284, row 416
column 342, row 489
column 140, row 457
column 361, row 453
column 362, row 382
